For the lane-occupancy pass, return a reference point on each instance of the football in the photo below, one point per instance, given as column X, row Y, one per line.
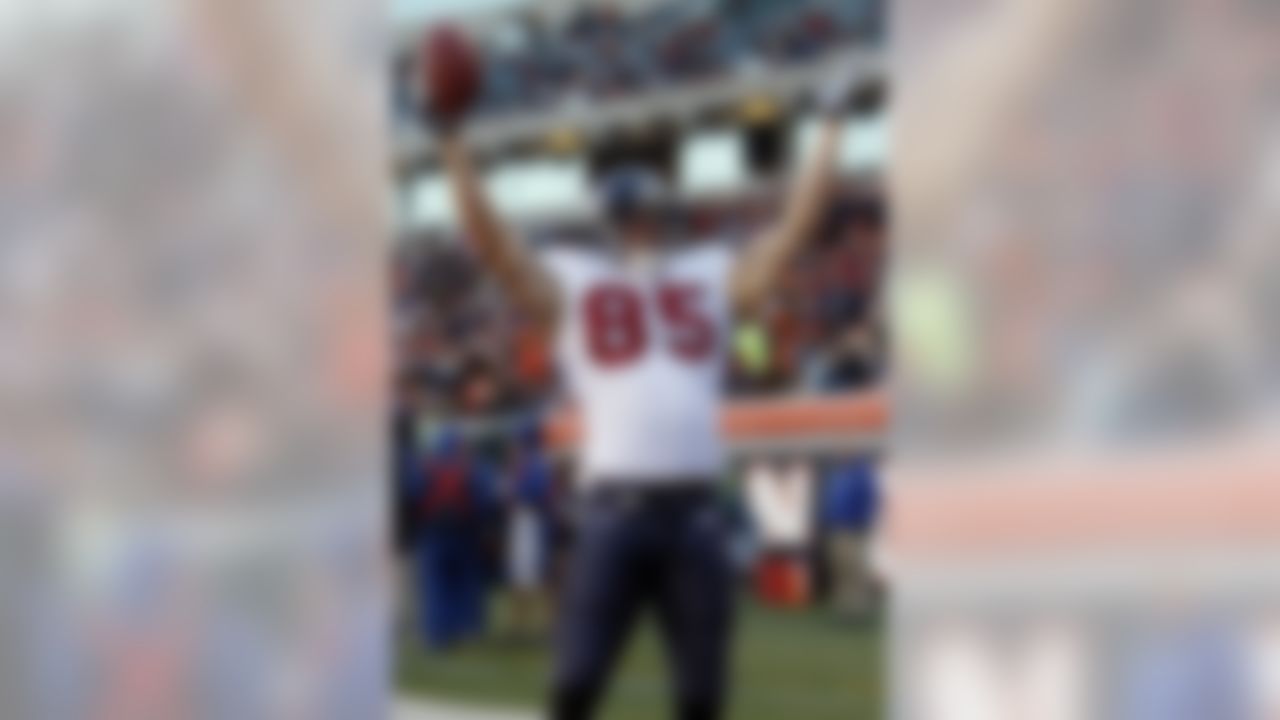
column 450, row 67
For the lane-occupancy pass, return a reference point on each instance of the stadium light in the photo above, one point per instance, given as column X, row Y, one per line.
column 866, row 144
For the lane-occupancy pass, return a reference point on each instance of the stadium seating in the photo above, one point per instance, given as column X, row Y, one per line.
column 601, row 52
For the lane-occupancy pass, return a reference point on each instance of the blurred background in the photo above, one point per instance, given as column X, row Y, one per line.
column 213, row 423
column 718, row 93
column 1084, row 458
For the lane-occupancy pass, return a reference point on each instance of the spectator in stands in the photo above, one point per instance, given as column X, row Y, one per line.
column 449, row 495
column 852, row 361
column 403, row 464
column 752, row 357
column 530, row 500
column 780, row 498
column 849, row 506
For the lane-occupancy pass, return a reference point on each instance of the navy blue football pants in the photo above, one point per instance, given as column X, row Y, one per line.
column 635, row 550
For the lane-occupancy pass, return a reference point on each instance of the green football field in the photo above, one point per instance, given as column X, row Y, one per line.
column 788, row 666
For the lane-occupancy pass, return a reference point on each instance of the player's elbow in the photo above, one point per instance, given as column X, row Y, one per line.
column 540, row 310
column 534, row 299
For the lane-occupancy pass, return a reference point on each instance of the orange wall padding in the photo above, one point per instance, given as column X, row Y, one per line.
column 860, row 413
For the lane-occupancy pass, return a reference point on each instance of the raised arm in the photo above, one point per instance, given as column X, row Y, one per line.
column 759, row 271
column 522, row 279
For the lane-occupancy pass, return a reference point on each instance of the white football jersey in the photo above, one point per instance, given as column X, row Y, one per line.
column 643, row 348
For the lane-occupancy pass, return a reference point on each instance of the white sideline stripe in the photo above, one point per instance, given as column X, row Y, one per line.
column 417, row 709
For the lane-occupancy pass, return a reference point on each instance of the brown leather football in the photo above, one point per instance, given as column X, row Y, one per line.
column 450, row 71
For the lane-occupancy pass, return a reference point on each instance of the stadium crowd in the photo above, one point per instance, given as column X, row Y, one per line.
column 602, row 51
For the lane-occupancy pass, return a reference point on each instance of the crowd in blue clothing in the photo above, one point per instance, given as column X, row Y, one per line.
column 455, row 499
